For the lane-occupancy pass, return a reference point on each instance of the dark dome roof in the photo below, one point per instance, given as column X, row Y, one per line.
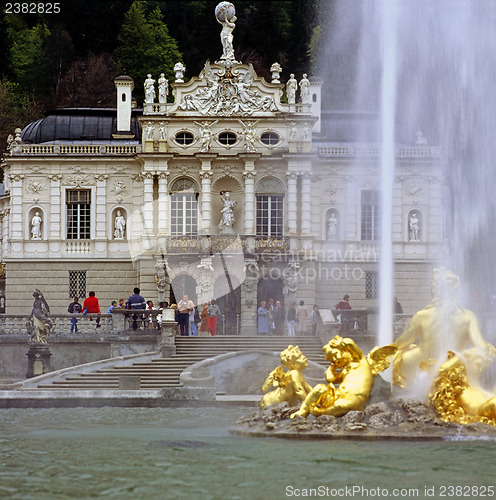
column 77, row 124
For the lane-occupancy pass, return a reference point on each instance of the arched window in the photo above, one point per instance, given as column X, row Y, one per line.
column 270, row 208
column 184, row 207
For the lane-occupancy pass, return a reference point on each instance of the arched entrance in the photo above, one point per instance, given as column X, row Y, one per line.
column 181, row 285
column 229, row 304
column 270, row 288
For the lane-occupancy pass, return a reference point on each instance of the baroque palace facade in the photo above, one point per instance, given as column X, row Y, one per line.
column 240, row 189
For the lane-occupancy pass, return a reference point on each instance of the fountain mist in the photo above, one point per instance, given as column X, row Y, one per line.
column 428, row 66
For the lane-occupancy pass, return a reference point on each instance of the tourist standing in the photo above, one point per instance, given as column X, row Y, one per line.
column 92, row 306
column 213, row 316
column 301, row 315
column 316, row 319
column 291, row 319
column 344, row 305
column 278, row 319
column 75, row 308
column 263, row 319
column 204, row 321
column 270, row 316
column 184, row 307
column 150, row 307
column 135, row 302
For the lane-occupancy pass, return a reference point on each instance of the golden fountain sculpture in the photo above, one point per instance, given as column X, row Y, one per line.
column 455, row 400
column 291, row 386
column 352, row 371
column 440, row 327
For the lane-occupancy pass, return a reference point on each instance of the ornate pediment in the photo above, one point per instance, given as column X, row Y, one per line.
column 227, row 90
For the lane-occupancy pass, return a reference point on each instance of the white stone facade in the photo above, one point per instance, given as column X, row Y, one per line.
column 226, row 131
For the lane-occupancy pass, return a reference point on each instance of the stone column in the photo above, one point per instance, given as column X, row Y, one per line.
column 163, row 203
column 16, row 205
column 54, row 232
column 101, row 207
column 206, row 200
column 250, row 202
column 306, row 204
column 148, row 203
column 292, row 178
column 5, row 232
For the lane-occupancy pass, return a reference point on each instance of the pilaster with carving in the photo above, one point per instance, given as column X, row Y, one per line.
column 249, row 298
column 5, row 231
column 249, row 177
column 205, row 281
column 100, row 204
column 148, row 202
column 55, row 180
column 306, row 204
column 16, row 205
column 163, row 202
column 206, row 199
column 292, row 179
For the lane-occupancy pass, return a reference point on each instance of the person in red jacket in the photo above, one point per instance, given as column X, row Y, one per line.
column 91, row 306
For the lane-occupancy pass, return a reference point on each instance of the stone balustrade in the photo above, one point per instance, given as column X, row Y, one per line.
column 342, row 151
column 142, row 321
column 75, row 149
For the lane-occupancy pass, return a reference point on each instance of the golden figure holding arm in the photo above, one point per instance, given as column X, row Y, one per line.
column 352, row 371
column 443, row 318
column 291, row 386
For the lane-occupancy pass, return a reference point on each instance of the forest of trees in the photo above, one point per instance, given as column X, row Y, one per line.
column 70, row 59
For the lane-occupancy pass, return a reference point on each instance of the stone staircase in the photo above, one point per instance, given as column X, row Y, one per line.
column 165, row 372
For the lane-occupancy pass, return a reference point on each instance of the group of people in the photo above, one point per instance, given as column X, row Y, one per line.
column 92, row 306
column 195, row 323
column 271, row 318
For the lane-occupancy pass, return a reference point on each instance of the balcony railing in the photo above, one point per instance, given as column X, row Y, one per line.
column 76, row 149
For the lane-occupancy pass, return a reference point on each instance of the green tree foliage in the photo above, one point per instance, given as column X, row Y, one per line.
column 29, row 59
column 145, row 46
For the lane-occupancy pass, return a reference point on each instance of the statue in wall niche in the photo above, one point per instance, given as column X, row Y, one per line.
column 36, row 226
column 353, row 371
column 291, row 385
column 227, row 213
column 39, row 323
column 414, row 227
column 163, row 89
column 225, row 15
column 291, row 88
column 149, row 89
column 332, row 227
column 305, row 90
column 119, row 226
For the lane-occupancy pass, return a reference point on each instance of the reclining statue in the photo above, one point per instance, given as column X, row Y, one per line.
column 352, row 371
column 291, row 386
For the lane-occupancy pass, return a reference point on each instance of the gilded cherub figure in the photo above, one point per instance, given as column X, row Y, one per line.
column 456, row 400
column 352, row 371
column 291, row 386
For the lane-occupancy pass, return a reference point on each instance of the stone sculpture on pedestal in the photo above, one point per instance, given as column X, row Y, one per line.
column 149, row 89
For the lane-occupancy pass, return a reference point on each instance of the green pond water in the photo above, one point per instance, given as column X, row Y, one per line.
column 176, row 453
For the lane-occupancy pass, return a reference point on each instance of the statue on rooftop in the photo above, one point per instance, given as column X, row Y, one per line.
column 149, row 89
column 291, row 88
column 225, row 15
column 163, row 89
column 305, row 90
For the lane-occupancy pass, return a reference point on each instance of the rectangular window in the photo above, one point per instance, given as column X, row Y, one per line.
column 371, row 216
column 184, row 214
column 270, row 211
column 371, row 285
column 78, row 214
column 77, row 284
